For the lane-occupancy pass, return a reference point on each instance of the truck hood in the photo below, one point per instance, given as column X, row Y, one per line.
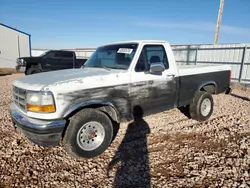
column 39, row 81
column 30, row 57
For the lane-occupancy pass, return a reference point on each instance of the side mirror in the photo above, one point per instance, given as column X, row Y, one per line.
column 156, row 67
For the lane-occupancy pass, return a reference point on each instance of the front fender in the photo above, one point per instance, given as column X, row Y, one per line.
column 92, row 103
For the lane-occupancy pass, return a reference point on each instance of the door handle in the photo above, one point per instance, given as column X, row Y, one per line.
column 139, row 84
column 170, row 75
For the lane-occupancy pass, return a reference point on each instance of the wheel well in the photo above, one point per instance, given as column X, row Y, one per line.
column 28, row 66
column 108, row 110
column 210, row 88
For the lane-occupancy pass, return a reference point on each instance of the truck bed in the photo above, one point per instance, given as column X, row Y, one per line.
column 192, row 77
column 185, row 70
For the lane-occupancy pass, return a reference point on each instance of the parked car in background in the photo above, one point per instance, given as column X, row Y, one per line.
column 49, row 61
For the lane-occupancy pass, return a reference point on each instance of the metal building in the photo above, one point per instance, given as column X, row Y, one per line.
column 237, row 56
column 13, row 44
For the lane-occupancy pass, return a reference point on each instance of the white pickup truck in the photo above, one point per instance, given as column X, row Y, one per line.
column 80, row 107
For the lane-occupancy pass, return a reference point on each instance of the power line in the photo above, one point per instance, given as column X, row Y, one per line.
column 217, row 29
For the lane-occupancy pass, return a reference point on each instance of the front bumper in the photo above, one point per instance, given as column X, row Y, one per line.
column 41, row 132
column 20, row 68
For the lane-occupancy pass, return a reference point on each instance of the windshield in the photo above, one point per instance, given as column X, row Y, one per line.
column 118, row 56
column 44, row 53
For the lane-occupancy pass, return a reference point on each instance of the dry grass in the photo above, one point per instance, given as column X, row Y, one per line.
column 7, row 71
column 238, row 86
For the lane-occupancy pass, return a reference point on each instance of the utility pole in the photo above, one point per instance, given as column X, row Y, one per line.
column 217, row 29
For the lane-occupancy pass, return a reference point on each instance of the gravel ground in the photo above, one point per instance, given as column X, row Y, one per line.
column 163, row 150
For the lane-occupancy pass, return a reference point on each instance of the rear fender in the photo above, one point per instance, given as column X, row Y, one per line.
column 207, row 87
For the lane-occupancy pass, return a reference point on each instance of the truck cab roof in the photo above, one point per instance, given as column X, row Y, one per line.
column 139, row 41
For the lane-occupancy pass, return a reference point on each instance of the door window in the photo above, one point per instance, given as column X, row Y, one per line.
column 63, row 54
column 151, row 54
column 50, row 54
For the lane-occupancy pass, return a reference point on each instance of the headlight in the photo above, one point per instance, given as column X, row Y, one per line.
column 20, row 62
column 40, row 102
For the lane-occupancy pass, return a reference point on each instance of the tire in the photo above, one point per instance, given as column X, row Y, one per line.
column 198, row 110
column 101, row 127
column 33, row 70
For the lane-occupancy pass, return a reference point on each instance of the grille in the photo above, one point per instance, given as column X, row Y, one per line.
column 19, row 97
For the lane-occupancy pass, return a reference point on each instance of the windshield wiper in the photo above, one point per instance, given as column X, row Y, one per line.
column 98, row 66
column 102, row 67
column 117, row 68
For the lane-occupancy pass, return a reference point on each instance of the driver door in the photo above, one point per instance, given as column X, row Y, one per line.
column 49, row 61
column 153, row 92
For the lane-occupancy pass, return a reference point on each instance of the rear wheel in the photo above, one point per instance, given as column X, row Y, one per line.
column 88, row 134
column 201, row 108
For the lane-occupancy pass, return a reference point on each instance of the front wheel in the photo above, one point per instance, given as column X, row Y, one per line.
column 201, row 108
column 33, row 70
column 88, row 134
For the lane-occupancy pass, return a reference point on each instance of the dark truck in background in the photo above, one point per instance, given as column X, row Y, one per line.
column 49, row 61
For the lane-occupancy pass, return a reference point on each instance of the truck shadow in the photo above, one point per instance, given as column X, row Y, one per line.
column 185, row 111
column 133, row 169
column 240, row 97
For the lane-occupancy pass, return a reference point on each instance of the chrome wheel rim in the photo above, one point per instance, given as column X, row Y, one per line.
column 90, row 136
column 206, row 107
